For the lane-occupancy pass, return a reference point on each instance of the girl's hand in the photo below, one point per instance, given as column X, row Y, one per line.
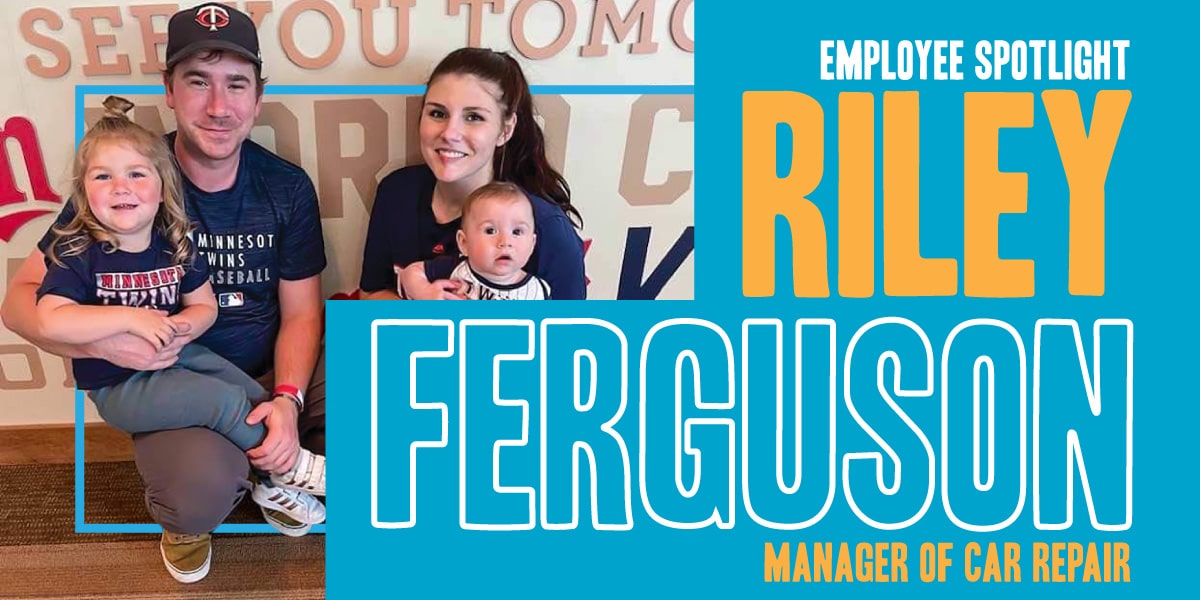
column 183, row 328
column 154, row 326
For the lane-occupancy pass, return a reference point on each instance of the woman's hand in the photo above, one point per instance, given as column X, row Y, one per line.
column 449, row 289
column 442, row 289
column 417, row 287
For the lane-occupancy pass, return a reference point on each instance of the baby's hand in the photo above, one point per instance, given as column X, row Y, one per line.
column 154, row 326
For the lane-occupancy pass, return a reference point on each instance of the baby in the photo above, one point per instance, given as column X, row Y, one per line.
column 496, row 239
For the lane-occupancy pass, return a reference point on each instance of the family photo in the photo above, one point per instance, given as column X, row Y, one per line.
column 168, row 251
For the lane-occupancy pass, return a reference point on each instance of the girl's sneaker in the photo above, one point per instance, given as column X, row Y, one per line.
column 301, row 506
column 307, row 475
column 285, row 524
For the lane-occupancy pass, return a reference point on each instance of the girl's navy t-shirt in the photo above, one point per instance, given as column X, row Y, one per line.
column 148, row 279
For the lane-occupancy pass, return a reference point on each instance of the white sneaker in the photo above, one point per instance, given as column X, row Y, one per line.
column 301, row 506
column 285, row 524
column 307, row 474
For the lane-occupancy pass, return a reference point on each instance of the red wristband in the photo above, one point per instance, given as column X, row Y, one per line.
column 284, row 388
column 291, row 391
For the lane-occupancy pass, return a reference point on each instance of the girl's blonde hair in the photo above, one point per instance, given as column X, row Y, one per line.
column 84, row 229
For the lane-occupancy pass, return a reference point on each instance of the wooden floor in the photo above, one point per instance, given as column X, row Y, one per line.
column 245, row 567
column 55, row 444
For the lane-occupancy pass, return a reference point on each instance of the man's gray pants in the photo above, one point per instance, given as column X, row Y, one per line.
column 195, row 476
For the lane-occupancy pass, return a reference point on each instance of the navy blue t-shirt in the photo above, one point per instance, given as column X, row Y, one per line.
column 403, row 230
column 149, row 279
column 265, row 228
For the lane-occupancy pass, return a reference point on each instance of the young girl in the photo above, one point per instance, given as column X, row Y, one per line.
column 124, row 263
column 496, row 240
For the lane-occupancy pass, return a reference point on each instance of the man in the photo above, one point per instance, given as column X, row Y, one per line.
column 256, row 219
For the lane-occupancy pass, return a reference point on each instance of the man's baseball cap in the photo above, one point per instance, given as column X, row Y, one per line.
column 211, row 26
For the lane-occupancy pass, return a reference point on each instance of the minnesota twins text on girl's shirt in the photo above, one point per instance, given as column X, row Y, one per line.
column 156, row 289
column 226, row 254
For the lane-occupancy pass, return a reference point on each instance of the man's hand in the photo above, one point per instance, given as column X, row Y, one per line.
column 132, row 352
column 279, row 449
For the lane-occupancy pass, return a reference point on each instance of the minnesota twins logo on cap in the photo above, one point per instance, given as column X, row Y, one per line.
column 213, row 17
column 221, row 28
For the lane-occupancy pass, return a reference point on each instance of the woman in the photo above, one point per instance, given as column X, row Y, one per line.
column 476, row 125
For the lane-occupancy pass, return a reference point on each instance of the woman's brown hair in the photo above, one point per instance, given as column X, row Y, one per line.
column 522, row 159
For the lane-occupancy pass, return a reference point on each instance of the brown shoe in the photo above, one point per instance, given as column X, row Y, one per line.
column 187, row 557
